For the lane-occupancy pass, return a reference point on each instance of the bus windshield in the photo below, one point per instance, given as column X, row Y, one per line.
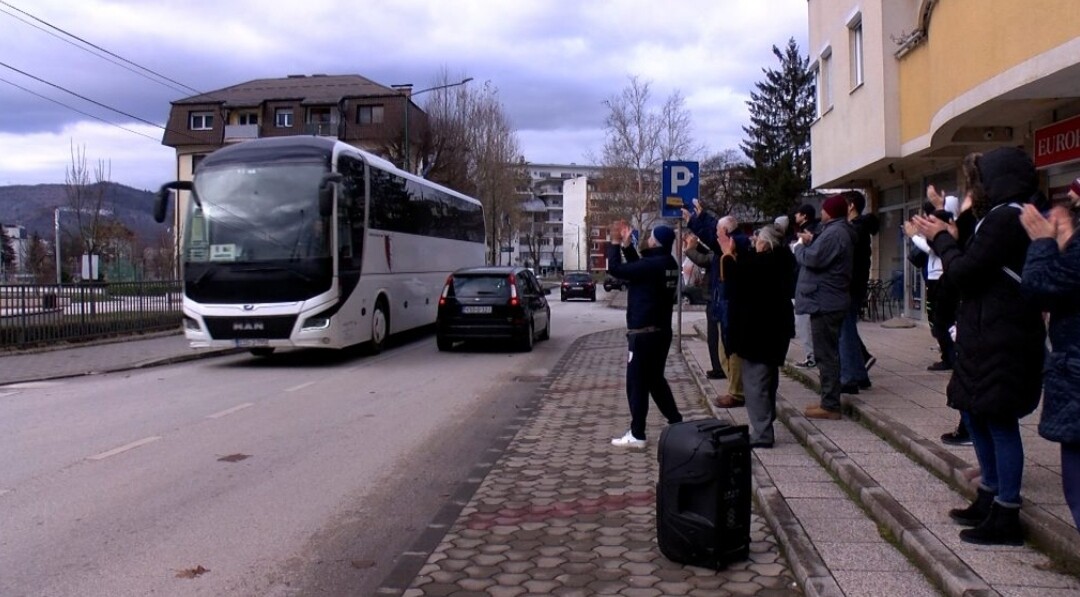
column 256, row 213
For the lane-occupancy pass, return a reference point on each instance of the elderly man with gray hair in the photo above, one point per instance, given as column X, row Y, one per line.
column 710, row 231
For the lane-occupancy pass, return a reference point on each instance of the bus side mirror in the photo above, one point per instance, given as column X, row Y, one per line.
column 326, row 193
column 161, row 204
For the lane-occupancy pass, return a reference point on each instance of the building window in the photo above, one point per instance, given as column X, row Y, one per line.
column 855, row 36
column 824, row 82
column 369, row 114
column 201, row 121
column 283, row 118
column 248, row 118
column 196, row 159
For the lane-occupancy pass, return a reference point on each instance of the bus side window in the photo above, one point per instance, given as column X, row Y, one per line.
column 351, row 213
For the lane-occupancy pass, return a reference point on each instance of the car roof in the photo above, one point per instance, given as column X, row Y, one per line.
column 490, row 270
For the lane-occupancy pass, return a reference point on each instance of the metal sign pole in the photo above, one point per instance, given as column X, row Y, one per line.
column 679, row 294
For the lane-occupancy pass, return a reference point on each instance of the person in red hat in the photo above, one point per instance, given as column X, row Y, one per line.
column 823, row 291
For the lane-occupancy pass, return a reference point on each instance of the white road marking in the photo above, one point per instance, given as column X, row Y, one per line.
column 125, row 448
column 229, row 411
column 33, row 385
column 300, row 387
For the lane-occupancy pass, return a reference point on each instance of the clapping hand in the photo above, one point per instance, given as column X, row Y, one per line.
column 935, row 197
column 1058, row 225
column 930, row 226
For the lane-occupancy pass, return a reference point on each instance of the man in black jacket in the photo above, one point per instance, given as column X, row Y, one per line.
column 653, row 280
column 855, row 361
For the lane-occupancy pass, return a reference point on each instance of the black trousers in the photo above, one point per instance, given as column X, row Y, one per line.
column 647, row 357
column 941, row 313
column 712, row 336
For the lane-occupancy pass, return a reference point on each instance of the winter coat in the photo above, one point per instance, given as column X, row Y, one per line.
column 652, row 279
column 761, row 318
column 999, row 331
column 824, row 284
column 1052, row 277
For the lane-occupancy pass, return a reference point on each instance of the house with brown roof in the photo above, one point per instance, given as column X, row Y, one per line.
column 350, row 108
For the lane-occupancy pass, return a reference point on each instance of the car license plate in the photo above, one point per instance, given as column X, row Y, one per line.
column 476, row 309
column 251, row 342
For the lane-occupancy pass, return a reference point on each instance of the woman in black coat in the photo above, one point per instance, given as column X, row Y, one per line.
column 1052, row 276
column 997, row 378
column 758, row 285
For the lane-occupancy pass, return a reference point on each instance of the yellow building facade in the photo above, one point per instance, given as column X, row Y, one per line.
column 906, row 88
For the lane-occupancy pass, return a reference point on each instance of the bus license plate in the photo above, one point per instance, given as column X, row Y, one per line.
column 476, row 309
column 251, row 342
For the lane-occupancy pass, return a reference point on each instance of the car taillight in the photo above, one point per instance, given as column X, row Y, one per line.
column 566, row 285
column 514, row 302
column 446, row 289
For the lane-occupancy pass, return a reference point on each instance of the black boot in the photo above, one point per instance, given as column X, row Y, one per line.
column 1002, row 527
column 976, row 512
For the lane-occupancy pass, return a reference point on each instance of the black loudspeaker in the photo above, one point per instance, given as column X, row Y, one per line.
column 703, row 495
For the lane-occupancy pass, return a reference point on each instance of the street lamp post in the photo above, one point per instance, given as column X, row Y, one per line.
column 404, row 88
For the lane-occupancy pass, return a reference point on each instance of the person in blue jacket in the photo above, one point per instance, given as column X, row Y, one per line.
column 1052, row 277
column 653, row 281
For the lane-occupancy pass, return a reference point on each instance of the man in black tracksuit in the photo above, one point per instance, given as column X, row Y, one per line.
column 653, row 279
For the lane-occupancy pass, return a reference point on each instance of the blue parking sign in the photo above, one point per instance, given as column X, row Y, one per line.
column 679, row 188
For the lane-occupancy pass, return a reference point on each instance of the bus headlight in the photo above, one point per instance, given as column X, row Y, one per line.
column 314, row 324
column 190, row 323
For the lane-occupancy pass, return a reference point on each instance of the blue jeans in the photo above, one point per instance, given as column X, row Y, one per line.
column 852, row 363
column 1000, row 452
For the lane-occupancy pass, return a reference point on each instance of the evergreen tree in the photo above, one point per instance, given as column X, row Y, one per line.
column 778, row 144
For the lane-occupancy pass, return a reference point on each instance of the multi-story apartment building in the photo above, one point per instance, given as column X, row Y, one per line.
column 556, row 235
column 906, row 88
column 351, row 108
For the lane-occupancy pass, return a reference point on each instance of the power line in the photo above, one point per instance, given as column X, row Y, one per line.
column 88, row 51
column 95, row 102
column 101, row 49
column 76, row 109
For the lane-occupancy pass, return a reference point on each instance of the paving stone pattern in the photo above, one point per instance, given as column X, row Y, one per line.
column 562, row 512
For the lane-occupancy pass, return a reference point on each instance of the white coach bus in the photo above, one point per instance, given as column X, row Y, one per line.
column 307, row 241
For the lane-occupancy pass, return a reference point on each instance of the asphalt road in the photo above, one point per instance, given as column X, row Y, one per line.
column 306, row 473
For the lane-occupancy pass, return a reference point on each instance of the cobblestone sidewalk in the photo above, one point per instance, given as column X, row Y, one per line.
column 562, row 512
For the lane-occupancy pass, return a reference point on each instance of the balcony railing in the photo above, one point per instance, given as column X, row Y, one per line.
column 321, row 129
column 241, row 132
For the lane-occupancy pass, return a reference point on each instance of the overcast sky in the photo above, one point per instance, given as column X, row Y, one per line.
column 553, row 62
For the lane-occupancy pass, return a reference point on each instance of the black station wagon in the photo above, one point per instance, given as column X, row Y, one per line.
column 490, row 304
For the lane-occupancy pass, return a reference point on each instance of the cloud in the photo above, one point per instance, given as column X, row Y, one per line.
column 554, row 63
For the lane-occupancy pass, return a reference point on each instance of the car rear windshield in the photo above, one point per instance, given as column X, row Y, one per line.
column 578, row 278
column 481, row 286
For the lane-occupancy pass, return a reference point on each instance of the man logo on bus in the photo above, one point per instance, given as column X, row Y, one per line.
column 248, row 326
column 249, row 307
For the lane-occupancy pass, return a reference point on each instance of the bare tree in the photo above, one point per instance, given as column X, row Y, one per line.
column 38, row 261
column 723, row 181
column 85, row 193
column 639, row 138
column 473, row 149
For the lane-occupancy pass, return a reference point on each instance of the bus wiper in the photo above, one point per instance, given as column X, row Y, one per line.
column 269, row 268
column 206, row 273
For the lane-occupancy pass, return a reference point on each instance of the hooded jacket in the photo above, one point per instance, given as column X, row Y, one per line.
column 999, row 330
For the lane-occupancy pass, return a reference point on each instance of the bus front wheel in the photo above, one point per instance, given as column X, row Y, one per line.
column 380, row 326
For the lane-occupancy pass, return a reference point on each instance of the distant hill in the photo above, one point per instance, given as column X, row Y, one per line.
column 32, row 206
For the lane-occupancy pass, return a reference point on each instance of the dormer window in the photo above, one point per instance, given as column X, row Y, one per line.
column 201, row 121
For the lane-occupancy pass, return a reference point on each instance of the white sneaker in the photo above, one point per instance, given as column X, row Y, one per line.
column 628, row 441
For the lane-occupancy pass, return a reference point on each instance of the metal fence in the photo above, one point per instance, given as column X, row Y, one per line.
column 41, row 314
